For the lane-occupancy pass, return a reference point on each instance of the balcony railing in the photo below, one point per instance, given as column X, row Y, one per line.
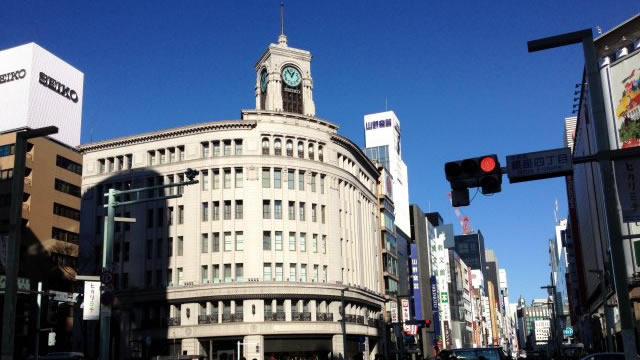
column 359, row 319
column 174, row 321
column 274, row 316
column 237, row 318
column 350, row 318
column 324, row 316
column 372, row 322
column 226, row 318
column 208, row 319
column 301, row 316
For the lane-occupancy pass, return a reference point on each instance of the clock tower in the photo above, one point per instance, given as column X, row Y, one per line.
column 283, row 79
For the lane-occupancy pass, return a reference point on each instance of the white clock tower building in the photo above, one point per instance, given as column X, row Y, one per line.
column 283, row 79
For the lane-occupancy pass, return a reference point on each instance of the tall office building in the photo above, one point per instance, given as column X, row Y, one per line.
column 470, row 247
column 282, row 226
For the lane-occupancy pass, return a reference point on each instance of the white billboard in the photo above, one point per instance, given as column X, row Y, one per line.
column 91, row 306
column 38, row 89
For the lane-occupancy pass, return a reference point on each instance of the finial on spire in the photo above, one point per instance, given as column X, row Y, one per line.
column 282, row 39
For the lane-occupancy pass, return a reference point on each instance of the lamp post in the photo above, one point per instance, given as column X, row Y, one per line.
column 601, row 277
column 107, row 247
column 612, row 208
column 15, row 237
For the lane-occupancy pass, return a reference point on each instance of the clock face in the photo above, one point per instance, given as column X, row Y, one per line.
column 291, row 76
column 263, row 81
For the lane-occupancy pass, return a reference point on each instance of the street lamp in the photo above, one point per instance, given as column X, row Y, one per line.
column 107, row 250
column 601, row 277
column 15, row 237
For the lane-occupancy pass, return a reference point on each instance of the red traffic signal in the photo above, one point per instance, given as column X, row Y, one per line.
column 427, row 323
column 483, row 171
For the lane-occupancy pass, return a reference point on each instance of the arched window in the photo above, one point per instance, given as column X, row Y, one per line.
column 263, row 88
column 300, row 149
column 277, row 147
column 265, row 146
column 320, row 153
column 311, row 152
column 289, row 148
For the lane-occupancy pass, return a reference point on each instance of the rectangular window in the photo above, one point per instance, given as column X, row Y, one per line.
column 227, row 178
column 239, row 177
column 266, row 272
column 239, row 209
column 227, row 209
column 149, row 249
column 163, row 159
column 266, row 240
column 314, row 212
column 278, row 271
column 64, row 163
column 170, row 247
column 126, row 251
column 266, row 177
column 205, row 211
column 315, row 273
column 325, row 273
column 266, row 209
column 227, row 273
column 172, row 155
column 301, row 207
column 204, row 243
column 101, row 166
column 292, row 210
column 277, row 209
column 215, row 242
column 292, row 272
column 116, row 252
column 180, row 214
column 215, row 273
column 180, row 245
column 151, row 159
column 205, row 180
column 291, row 182
column 159, row 248
column 239, row 274
column 125, row 280
column 292, row 241
column 238, row 143
column 324, row 244
column 278, row 240
column 303, row 272
column 159, row 217
column 65, row 211
column 159, row 282
column 314, row 243
column 216, row 211
column 301, row 180
column 313, row 182
column 204, row 274
column 216, row 179
column 303, row 241
column 169, row 277
column 216, row 148
column 277, row 178
column 321, row 184
column 227, row 147
column 228, row 245
column 322, row 213
column 110, row 163
column 239, row 241
column 7, row 174
column 205, row 149
column 64, row 235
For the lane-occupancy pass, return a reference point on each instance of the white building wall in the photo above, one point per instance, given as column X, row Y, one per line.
column 27, row 74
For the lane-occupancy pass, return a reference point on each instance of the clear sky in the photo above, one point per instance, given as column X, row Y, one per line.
column 457, row 74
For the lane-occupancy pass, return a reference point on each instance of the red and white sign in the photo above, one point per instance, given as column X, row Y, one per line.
column 406, row 315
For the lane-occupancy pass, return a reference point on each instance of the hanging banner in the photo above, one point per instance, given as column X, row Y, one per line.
column 628, row 183
column 91, row 308
column 434, row 306
column 415, row 280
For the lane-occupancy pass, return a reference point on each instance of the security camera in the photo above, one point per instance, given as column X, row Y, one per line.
column 191, row 174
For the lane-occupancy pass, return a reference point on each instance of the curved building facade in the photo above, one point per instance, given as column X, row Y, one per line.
column 281, row 230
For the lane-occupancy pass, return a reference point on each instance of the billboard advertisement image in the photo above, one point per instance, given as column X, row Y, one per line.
column 625, row 92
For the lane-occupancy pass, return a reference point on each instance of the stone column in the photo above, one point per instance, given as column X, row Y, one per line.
column 365, row 353
column 337, row 346
column 253, row 348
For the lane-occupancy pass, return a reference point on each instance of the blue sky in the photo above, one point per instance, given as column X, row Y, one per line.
column 457, row 74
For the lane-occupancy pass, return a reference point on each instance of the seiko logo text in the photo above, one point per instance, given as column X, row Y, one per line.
column 58, row 87
column 16, row 75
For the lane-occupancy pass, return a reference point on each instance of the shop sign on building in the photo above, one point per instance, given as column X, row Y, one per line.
column 91, row 307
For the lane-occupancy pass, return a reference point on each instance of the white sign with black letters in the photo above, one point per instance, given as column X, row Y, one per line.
column 628, row 184
column 539, row 165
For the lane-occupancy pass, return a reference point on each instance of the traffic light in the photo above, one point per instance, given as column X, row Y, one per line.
column 419, row 322
column 483, row 172
column 427, row 323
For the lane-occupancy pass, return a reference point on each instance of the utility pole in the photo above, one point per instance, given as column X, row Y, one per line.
column 612, row 207
column 15, row 237
column 107, row 247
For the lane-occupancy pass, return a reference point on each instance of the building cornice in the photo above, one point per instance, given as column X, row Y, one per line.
column 168, row 134
column 357, row 152
column 250, row 114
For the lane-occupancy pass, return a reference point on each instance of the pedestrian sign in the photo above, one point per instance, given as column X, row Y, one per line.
column 568, row 332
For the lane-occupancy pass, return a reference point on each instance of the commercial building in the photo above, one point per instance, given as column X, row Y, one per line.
column 539, row 310
column 283, row 222
column 50, row 237
column 470, row 247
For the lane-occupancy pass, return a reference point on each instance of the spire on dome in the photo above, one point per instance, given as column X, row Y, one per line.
column 282, row 39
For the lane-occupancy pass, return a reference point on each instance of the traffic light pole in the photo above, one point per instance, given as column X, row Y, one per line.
column 107, row 252
column 612, row 207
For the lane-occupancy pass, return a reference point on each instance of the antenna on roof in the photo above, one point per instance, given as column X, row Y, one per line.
column 282, row 18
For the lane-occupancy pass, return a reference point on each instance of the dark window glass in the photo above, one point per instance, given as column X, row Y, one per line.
column 6, row 150
column 64, row 235
column 68, row 188
column 67, row 164
column 66, row 211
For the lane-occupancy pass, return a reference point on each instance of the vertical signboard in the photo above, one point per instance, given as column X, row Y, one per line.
column 434, row 306
column 625, row 94
column 415, row 280
column 406, row 315
column 91, row 308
